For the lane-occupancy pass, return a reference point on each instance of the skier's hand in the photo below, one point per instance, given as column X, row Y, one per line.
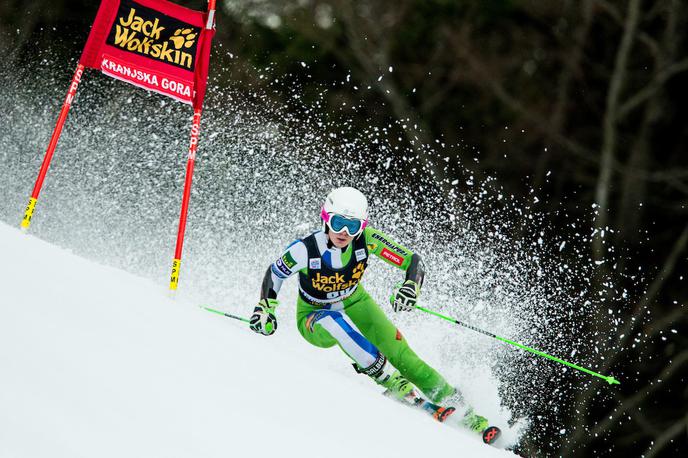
column 405, row 296
column 263, row 321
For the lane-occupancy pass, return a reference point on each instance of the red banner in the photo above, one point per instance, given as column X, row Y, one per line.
column 153, row 44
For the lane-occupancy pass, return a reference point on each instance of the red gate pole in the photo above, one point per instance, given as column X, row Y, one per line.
column 191, row 161
column 211, row 14
column 71, row 93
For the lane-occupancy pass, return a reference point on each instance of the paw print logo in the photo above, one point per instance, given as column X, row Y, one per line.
column 183, row 38
column 358, row 272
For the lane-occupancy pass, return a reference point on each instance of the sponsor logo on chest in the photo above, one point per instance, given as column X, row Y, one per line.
column 314, row 263
column 337, row 281
column 360, row 254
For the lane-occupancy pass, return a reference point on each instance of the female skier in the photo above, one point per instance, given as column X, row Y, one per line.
column 334, row 309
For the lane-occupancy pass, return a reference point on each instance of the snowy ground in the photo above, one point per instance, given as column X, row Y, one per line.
column 96, row 362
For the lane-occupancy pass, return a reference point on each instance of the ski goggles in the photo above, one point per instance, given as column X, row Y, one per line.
column 339, row 223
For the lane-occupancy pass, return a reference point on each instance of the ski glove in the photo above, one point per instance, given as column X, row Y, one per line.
column 405, row 296
column 263, row 321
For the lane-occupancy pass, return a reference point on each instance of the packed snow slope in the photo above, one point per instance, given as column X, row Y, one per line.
column 96, row 362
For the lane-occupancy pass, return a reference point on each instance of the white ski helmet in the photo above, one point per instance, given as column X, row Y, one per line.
column 348, row 202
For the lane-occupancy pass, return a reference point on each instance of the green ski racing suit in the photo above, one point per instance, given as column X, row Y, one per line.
column 333, row 308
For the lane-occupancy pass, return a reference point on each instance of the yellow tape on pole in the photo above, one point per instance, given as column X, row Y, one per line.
column 26, row 222
column 174, row 278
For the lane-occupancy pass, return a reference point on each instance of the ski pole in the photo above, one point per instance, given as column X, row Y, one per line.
column 609, row 379
column 228, row 315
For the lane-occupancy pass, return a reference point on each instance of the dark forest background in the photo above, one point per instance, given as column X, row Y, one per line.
column 590, row 90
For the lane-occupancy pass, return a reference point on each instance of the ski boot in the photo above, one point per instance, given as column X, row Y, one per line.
column 398, row 387
column 471, row 420
column 386, row 375
column 480, row 425
column 402, row 393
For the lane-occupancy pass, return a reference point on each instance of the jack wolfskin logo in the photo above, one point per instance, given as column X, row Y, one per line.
column 338, row 282
column 183, row 38
column 149, row 33
column 358, row 271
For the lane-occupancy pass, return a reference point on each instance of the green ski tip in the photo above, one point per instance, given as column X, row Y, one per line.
column 612, row 381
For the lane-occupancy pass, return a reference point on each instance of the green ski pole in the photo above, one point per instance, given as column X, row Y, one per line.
column 609, row 379
column 228, row 315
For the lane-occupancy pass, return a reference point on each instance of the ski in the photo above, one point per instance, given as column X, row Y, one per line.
column 442, row 413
